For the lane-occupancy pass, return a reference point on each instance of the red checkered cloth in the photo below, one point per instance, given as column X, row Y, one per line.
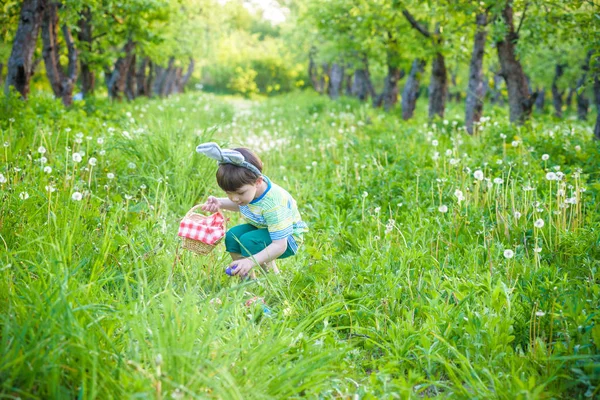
column 208, row 230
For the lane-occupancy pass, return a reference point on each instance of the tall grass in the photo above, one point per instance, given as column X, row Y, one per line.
column 426, row 273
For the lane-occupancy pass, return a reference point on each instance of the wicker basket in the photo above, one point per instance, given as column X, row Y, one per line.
column 197, row 246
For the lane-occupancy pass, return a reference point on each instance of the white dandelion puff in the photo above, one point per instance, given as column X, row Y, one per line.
column 539, row 223
column 76, row 196
column 443, row 208
column 508, row 253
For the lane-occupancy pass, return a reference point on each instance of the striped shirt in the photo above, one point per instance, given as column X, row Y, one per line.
column 277, row 211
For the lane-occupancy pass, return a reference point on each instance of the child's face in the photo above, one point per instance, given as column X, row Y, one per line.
column 244, row 195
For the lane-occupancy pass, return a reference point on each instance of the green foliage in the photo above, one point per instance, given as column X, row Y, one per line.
column 246, row 65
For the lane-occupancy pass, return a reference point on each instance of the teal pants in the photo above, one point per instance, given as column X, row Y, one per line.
column 248, row 240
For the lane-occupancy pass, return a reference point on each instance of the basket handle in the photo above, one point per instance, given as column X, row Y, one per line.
column 193, row 209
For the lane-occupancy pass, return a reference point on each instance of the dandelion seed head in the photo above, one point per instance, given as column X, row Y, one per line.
column 508, row 253
column 92, row 161
column 539, row 223
column 47, row 169
column 545, row 157
column 110, row 175
column 77, row 157
column 478, row 175
column 41, row 150
column 443, row 208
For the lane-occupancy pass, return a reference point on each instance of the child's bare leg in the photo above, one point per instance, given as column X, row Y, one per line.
column 271, row 266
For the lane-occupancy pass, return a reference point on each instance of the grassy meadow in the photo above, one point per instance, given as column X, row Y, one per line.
column 437, row 264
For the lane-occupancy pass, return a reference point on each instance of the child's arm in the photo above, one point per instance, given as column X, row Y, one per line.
column 270, row 253
column 227, row 204
column 213, row 204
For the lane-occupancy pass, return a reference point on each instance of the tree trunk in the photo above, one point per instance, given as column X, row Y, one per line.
column 583, row 103
column 389, row 95
column 161, row 82
column 88, row 80
column 348, row 84
column 169, row 81
column 438, row 87
column 130, row 81
column 454, row 95
column 313, row 71
column 359, row 87
column 569, row 98
column 336, row 77
column 118, row 76
column 141, row 78
column 474, row 100
column 557, row 95
column 150, row 79
column 159, row 78
column 497, row 97
column 540, row 100
column 520, row 103
column 62, row 84
column 324, row 84
column 19, row 63
column 183, row 81
column 411, row 89
column 597, row 98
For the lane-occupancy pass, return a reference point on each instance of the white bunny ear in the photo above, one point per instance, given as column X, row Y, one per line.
column 233, row 157
column 211, row 150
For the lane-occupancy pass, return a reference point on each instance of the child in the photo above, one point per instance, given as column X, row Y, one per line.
column 274, row 228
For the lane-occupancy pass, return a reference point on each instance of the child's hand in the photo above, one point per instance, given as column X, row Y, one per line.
column 212, row 204
column 242, row 268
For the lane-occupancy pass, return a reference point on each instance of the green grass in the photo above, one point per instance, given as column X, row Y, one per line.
column 389, row 297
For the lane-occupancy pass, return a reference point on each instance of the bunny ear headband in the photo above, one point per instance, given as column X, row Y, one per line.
column 226, row 156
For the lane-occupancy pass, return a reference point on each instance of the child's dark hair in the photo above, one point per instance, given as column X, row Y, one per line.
column 231, row 177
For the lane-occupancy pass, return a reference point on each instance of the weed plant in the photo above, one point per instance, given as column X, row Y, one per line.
column 437, row 264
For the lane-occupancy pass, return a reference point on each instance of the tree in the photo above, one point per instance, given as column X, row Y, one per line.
column 438, row 82
column 475, row 91
column 20, row 65
column 520, row 102
column 62, row 83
